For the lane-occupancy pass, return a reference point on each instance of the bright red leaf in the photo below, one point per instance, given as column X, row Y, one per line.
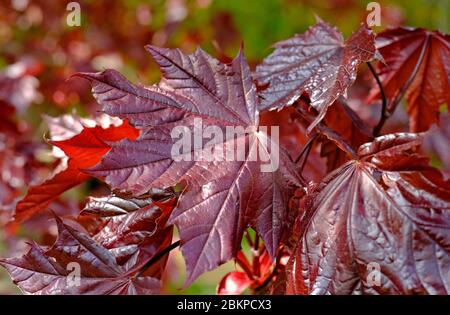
column 83, row 150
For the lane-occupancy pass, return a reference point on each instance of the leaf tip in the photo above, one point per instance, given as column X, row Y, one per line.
column 318, row 19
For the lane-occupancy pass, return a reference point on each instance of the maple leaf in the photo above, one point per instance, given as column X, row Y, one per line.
column 136, row 229
column 222, row 198
column 83, row 150
column 388, row 211
column 317, row 62
column 416, row 63
column 49, row 272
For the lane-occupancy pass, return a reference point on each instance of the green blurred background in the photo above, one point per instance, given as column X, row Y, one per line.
column 112, row 35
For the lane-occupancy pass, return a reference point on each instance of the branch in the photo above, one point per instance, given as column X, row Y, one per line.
column 305, row 147
column 384, row 114
column 157, row 257
column 305, row 152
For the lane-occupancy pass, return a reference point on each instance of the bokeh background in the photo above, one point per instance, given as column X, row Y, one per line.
column 39, row 52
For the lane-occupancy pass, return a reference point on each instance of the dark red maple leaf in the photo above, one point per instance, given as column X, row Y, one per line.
column 317, row 62
column 222, row 198
column 136, row 229
column 49, row 271
column 416, row 63
column 387, row 209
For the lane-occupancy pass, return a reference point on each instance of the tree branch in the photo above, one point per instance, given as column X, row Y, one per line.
column 305, row 147
column 157, row 257
column 384, row 113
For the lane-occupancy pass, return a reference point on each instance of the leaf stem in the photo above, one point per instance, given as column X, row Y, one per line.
column 244, row 265
column 302, row 166
column 305, row 152
column 248, row 239
column 256, row 254
column 384, row 114
column 157, row 257
column 256, row 242
column 388, row 110
column 305, row 147
column 272, row 274
column 413, row 74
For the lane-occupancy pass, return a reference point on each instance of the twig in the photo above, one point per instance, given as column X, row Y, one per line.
column 391, row 108
column 157, row 257
column 384, row 113
column 305, row 152
column 308, row 150
column 256, row 254
column 305, row 147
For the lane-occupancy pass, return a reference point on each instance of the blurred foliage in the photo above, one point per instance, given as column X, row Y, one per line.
column 113, row 33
